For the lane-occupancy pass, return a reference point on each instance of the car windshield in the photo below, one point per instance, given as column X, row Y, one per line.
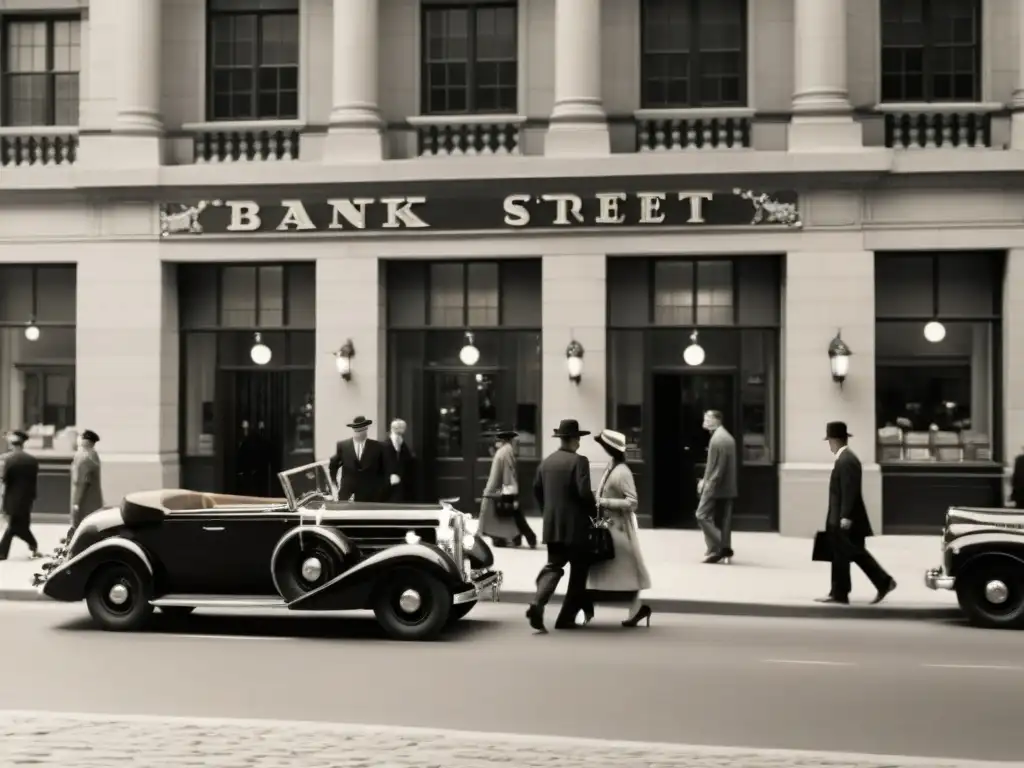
column 312, row 481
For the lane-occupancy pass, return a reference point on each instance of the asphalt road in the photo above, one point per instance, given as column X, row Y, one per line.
column 935, row 690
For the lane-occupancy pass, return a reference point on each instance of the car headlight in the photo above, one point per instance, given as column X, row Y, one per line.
column 412, row 538
column 472, row 526
column 468, row 541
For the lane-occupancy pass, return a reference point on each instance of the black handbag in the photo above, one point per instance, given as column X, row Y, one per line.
column 505, row 505
column 600, row 546
column 822, row 550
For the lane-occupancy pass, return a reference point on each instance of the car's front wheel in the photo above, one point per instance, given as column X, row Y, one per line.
column 118, row 598
column 413, row 605
column 991, row 592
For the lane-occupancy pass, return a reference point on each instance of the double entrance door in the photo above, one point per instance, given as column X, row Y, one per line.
column 254, row 424
column 462, row 409
column 679, row 442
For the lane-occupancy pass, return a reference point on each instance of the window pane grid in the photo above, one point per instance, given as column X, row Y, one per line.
column 693, row 53
column 931, row 50
column 41, row 62
column 470, row 59
column 254, row 65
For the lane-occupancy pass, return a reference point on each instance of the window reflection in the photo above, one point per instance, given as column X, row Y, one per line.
column 626, row 387
column 448, row 400
column 300, row 412
column 757, row 396
column 200, row 383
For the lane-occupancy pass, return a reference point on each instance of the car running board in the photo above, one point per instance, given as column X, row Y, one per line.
column 218, row 601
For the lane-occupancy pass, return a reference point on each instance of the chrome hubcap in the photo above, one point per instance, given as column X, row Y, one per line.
column 118, row 594
column 410, row 601
column 312, row 569
column 996, row 592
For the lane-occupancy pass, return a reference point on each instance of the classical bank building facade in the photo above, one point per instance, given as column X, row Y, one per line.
column 255, row 220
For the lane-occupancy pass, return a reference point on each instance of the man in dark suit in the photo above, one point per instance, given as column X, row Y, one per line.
column 717, row 491
column 847, row 523
column 562, row 489
column 20, row 472
column 361, row 462
column 399, row 464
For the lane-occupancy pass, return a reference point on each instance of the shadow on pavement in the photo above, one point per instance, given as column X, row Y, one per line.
column 342, row 627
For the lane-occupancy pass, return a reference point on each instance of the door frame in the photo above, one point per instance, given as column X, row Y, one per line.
column 649, row 481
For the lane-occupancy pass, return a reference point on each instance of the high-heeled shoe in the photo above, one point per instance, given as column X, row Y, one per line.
column 644, row 614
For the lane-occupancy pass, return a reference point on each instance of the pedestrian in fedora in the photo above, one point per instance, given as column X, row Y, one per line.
column 19, row 473
column 86, row 479
column 501, row 515
column 360, row 462
column 847, row 524
column 562, row 489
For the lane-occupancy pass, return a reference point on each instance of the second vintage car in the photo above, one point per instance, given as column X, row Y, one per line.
column 419, row 568
column 983, row 562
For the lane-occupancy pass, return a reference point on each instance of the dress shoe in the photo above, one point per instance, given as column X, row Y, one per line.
column 536, row 616
column 726, row 556
column 714, row 558
column 833, row 600
column 884, row 591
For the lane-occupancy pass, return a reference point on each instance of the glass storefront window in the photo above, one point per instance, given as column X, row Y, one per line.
column 626, row 387
column 200, row 383
column 300, row 414
column 447, row 295
column 482, row 294
column 528, row 387
column 758, row 376
column 934, row 400
column 714, row 293
column 37, row 386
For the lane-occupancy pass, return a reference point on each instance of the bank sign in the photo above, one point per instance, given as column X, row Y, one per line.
column 554, row 209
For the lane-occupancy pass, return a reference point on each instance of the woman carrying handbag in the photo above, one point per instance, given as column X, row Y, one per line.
column 501, row 517
column 623, row 577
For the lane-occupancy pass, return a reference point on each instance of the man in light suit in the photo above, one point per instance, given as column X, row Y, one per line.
column 717, row 491
column 847, row 522
column 86, row 479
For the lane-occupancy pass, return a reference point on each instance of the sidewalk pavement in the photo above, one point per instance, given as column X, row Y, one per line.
column 770, row 575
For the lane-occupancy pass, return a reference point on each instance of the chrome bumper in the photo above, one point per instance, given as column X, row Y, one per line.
column 491, row 582
column 936, row 578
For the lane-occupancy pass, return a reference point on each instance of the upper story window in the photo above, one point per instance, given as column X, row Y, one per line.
column 470, row 58
column 694, row 53
column 931, row 50
column 253, row 60
column 41, row 64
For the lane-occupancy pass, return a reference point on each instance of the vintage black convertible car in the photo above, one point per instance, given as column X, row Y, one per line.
column 983, row 562
column 419, row 568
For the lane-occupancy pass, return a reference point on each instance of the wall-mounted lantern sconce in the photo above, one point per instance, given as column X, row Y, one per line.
column 839, row 358
column 469, row 354
column 260, row 352
column 574, row 361
column 694, row 353
column 343, row 359
column 31, row 329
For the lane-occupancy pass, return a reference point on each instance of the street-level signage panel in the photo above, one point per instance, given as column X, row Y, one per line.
column 605, row 209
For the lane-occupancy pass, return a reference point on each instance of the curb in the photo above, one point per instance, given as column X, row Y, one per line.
column 703, row 607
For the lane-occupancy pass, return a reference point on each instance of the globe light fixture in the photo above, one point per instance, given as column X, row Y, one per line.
column 343, row 359
column 839, row 358
column 260, row 352
column 694, row 353
column 469, row 354
column 934, row 331
column 574, row 361
column 32, row 332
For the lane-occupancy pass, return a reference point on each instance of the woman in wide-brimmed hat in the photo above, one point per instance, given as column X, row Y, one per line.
column 500, row 515
column 622, row 578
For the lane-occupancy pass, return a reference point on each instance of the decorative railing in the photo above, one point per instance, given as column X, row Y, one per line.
column 49, row 145
column 938, row 126
column 688, row 130
column 467, row 135
column 245, row 142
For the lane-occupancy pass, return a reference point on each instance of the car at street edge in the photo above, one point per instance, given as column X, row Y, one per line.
column 983, row 562
column 419, row 568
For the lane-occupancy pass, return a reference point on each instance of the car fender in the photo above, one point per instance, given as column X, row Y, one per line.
column 353, row 589
column 69, row 580
column 340, row 542
column 969, row 556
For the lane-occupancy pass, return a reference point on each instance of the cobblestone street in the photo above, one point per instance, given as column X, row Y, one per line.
column 50, row 740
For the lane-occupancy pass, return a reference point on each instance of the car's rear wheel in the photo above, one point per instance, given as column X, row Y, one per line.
column 413, row 605
column 306, row 563
column 118, row 597
column 459, row 611
column 990, row 591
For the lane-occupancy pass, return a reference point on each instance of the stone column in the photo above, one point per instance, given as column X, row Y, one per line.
column 573, row 307
column 138, row 123
column 579, row 125
column 1013, row 357
column 814, row 311
column 1017, row 101
column 348, row 306
column 355, row 133
column 127, row 363
column 822, row 115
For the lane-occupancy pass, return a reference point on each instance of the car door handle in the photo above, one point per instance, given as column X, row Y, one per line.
column 213, row 528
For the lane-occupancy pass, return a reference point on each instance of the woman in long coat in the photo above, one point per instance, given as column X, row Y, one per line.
column 625, row 576
column 502, row 482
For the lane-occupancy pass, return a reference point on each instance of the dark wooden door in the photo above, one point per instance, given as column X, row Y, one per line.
column 254, row 422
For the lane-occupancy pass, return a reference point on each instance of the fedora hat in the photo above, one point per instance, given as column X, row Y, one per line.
column 17, row 436
column 503, row 434
column 609, row 438
column 360, row 422
column 91, row 436
column 569, row 428
column 836, row 430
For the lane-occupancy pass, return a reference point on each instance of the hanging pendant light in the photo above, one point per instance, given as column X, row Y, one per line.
column 934, row 331
column 32, row 331
column 469, row 354
column 260, row 352
column 694, row 353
